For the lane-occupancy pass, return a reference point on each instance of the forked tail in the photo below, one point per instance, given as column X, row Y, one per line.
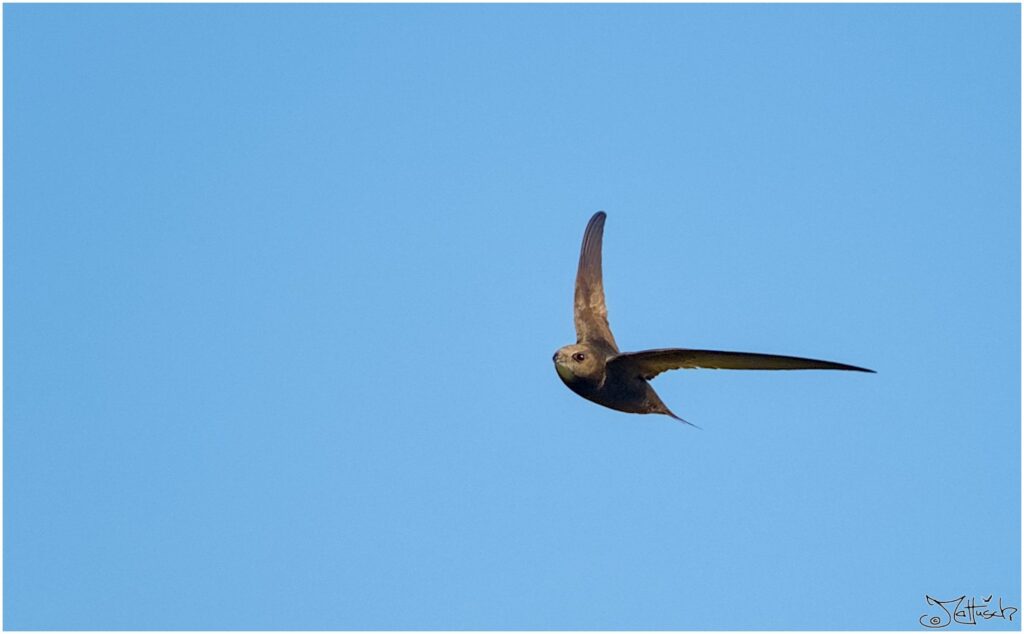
column 668, row 412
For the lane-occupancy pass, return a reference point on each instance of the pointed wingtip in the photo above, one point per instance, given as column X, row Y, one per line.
column 592, row 235
column 856, row 369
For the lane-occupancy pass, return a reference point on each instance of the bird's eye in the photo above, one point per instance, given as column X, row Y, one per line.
column 579, row 356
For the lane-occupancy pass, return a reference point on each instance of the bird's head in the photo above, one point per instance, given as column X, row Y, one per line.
column 579, row 362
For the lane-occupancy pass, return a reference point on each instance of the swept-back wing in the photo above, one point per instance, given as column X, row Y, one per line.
column 650, row 363
column 591, row 313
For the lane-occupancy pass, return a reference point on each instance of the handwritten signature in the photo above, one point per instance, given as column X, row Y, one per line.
column 964, row 611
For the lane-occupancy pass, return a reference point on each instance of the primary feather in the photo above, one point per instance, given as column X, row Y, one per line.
column 650, row 363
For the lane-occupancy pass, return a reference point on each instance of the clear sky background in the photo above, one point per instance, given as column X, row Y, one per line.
column 282, row 285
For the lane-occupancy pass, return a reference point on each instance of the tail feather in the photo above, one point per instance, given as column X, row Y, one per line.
column 667, row 412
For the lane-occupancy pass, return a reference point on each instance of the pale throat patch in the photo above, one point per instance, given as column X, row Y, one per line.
column 564, row 372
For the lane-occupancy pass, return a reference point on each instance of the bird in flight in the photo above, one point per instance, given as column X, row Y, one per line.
column 594, row 368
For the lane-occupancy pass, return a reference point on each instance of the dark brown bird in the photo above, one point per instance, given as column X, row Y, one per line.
column 594, row 368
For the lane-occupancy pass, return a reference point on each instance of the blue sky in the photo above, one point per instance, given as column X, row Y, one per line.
column 282, row 285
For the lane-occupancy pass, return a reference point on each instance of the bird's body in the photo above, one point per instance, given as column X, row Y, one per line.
column 594, row 368
column 606, row 387
column 632, row 395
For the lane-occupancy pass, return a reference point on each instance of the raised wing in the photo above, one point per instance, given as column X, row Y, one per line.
column 650, row 363
column 591, row 314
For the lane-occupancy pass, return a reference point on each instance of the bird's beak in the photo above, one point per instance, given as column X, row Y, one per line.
column 562, row 369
